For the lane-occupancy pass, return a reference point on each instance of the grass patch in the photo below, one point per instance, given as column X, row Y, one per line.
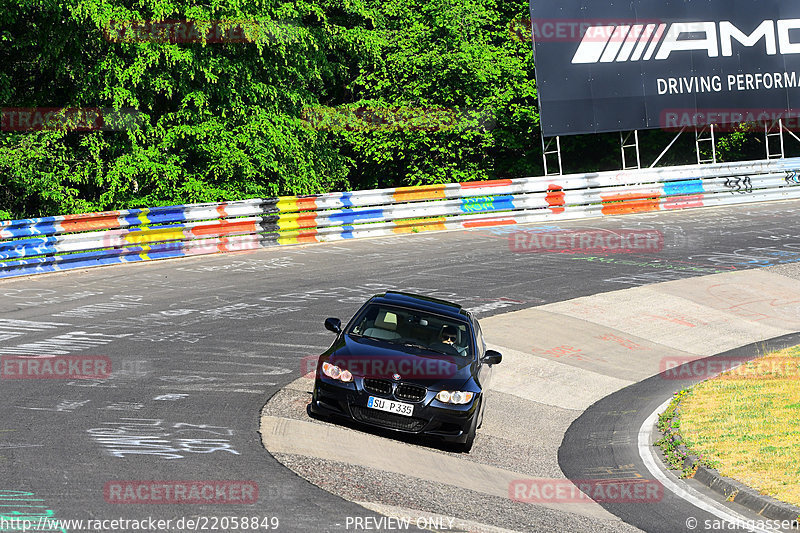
column 746, row 424
column 669, row 423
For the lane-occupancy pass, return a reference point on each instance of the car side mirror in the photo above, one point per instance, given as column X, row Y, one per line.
column 334, row 325
column 492, row 357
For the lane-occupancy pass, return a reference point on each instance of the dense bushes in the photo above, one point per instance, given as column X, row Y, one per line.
column 229, row 120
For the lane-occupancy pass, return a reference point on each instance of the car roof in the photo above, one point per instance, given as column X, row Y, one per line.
column 424, row 303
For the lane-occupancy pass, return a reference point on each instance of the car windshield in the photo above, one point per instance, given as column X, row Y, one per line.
column 411, row 327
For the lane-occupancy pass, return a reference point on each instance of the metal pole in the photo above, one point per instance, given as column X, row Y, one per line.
column 667, row 148
column 713, row 146
column 790, row 132
column 544, row 155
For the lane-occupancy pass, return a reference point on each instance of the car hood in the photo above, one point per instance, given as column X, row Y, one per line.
column 365, row 357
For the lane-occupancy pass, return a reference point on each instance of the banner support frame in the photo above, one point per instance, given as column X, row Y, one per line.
column 706, row 135
column 548, row 150
column 625, row 144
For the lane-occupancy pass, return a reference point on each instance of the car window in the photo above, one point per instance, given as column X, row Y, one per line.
column 409, row 326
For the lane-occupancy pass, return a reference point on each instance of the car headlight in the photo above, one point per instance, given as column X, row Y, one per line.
column 334, row 372
column 457, row 397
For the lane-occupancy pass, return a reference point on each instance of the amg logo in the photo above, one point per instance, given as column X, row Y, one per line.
column 643, row 42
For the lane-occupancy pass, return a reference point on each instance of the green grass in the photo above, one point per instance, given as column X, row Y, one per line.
column 746, row 424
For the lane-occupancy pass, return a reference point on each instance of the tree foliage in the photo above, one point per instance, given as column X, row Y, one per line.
column 225, row 120
column 229, row 119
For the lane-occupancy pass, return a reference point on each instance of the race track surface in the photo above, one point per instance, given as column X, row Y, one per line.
column 198, row 346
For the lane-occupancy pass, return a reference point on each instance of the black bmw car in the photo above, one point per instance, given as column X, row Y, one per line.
column 407, row 363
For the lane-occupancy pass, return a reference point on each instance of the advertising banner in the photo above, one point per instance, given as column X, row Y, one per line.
column 649, row 64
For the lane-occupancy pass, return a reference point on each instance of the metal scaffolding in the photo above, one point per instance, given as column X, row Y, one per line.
column 549, row 150
column 705, row 135
column 625, row 144
column 705, row 147
column 770, row 138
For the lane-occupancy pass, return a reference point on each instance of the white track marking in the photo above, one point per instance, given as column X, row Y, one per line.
column 687, row 493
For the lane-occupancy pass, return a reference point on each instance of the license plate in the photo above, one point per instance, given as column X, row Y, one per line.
column 398, row 408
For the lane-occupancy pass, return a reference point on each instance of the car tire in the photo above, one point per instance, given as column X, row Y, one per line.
column 473, row 429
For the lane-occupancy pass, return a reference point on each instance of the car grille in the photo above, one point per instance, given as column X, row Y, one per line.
column 387, row 420
column 378, row 386
column 411, row 393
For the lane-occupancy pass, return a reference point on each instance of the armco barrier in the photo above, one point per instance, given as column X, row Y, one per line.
column 50, row 244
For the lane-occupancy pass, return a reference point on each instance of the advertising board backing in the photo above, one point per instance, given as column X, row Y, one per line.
column 604, row 66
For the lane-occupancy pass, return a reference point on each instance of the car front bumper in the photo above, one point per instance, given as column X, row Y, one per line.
column 430, row 417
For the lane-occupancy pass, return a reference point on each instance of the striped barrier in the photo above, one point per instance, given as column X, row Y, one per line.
column 34, row 246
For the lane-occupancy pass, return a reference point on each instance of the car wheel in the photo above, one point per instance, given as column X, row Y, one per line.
column 473, row 428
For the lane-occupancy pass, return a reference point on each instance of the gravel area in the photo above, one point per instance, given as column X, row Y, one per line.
column 531, row 432
column 356, row 483
column 288, row 403
column 522, row 435
column 790, row 270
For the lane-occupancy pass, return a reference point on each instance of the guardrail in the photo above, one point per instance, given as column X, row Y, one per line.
column 34, row 246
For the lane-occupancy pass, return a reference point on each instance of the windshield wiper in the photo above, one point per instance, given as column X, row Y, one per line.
column 408, row 343
column 414, row 345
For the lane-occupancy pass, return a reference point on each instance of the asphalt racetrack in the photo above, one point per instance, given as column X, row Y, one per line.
column 198, row 346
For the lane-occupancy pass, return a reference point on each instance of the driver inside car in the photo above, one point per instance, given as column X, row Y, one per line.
column 447, row 341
